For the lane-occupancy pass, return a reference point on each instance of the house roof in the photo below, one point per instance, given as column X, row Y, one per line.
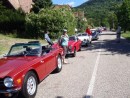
column 25, row 5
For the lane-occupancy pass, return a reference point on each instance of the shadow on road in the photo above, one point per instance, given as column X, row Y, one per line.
column 117, row 48
column 112, row 46
column 87, row 97
column 59, row 97
column 83, row 97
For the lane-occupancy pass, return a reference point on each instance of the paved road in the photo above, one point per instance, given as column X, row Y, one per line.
column 99, row 71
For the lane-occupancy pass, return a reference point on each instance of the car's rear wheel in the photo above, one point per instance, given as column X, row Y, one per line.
column 59, row 64
column 80, row 47
column 90, row 42
column 29, row 87
column 74, row 54
column 87, row 44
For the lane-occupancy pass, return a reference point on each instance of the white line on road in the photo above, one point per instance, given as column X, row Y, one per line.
column 93, row 78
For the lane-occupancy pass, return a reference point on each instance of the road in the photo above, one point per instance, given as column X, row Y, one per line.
column 99, row 71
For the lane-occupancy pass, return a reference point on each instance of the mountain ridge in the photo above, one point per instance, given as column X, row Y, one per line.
column 98, row 9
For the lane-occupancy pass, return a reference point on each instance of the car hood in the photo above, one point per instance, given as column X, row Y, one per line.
column 8, row 64
column 83, row 37
column 71, row 43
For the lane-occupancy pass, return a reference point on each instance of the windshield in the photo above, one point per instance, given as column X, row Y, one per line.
column 25, row 49
column 93, row 31
column 84, row 34
column 79, row 35
column 72, row 38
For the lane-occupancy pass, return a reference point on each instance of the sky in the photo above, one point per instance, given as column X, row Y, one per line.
column 72, row 3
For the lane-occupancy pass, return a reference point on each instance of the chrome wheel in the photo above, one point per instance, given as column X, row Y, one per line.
column 59, row 61
column 59, row 64
column 31, row 85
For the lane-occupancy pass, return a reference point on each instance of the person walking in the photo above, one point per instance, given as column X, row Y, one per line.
column 47, row 38
column 118, row 34
column 64, row 44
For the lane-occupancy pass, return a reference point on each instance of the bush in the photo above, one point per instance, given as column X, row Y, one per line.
column 52, row 20
column 32, row 26
column 11, row 20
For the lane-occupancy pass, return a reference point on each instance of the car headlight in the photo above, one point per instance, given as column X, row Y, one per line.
column 8, row 82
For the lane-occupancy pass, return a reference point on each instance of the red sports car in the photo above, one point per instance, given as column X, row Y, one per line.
column 74, row 45
column 25, row 66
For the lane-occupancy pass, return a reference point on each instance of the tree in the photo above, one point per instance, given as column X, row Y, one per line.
column 53, row 20
column 81, row 25
column 123, row 15
column 32, row 26
column 39, row 4
column 11, row 20
column 57, row 19
column 99, row 10
column 112, row 19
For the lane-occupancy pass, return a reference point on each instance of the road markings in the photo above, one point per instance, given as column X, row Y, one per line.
column 93, row 78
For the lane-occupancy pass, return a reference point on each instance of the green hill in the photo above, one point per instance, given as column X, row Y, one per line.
column 98, row 10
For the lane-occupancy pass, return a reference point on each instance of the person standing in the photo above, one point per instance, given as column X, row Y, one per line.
column 47, row 38
column 89, row 33
column 64, row 44
column 118, row 33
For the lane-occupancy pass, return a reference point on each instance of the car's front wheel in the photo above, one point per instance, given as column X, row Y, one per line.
column 29, row 87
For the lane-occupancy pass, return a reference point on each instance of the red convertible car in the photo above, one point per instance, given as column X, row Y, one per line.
column 74, row 45
column 25, row 66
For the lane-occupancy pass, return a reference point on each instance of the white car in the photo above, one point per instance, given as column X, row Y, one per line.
column 84, row 38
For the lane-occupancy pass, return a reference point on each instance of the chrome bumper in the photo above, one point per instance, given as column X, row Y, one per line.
column 9, row 91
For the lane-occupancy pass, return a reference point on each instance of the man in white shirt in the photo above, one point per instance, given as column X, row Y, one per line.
column 47, row 38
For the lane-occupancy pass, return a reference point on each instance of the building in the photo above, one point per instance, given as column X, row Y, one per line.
column 25, row 5
column 80, row 15
column 62, row 6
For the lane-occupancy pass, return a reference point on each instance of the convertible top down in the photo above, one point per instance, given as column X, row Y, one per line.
column 26, row 65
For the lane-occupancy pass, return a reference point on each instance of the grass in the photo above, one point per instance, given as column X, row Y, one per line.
column 126, row 35
column 6, row 42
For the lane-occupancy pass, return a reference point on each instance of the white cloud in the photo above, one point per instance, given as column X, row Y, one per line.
column 85, row 0
column 71, row 3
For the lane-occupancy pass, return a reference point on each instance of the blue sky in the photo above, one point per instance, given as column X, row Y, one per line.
column 72, row 3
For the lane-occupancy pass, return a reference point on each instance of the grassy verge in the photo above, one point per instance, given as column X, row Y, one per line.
column 6, row 42
column 126, row 35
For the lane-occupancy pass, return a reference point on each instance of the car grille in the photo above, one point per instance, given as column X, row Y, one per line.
column 2, row 87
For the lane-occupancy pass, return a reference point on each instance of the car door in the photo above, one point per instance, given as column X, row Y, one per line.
column 50, row 61
column 77, row 44
column 40, row 67
column 47, row 64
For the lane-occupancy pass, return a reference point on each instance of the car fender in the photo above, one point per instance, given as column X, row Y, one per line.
column 19, row 77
